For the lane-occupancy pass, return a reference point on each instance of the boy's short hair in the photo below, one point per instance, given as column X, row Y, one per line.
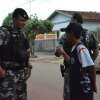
column 77, row 16
column 20, row 12
column 74, row 28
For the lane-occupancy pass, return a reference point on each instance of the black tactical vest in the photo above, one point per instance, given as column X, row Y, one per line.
column 15, row 49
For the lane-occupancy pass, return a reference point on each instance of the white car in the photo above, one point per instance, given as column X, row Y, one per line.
column 99, row 46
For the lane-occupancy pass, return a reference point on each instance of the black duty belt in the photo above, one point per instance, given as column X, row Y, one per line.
column 12, row 65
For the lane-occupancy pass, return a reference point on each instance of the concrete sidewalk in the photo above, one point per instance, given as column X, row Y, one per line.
column 46, row 57
column 42, row 56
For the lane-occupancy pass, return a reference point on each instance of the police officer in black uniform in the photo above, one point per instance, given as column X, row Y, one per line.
column 14, row 58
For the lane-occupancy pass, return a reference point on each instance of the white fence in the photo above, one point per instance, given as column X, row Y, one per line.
column 45, row 45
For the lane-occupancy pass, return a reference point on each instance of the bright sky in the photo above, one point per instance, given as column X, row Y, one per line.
column 44, row 8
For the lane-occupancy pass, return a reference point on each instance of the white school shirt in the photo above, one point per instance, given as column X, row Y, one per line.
column 83, row 55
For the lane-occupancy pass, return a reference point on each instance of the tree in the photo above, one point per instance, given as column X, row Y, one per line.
column 35, row 26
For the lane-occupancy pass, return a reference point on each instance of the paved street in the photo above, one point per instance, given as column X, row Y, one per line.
column 46, row 82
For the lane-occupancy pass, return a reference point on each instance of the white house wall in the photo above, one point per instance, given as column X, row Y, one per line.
column 57, row 27
column 60, row 21
column 92, row 26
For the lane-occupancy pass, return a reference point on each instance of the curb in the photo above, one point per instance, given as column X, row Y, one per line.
column 47, row 59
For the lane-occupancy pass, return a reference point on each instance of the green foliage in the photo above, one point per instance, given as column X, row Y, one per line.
column 48, row 25
column 45, row 26
column 31, row 27
column 35, row 26
column 7, row 21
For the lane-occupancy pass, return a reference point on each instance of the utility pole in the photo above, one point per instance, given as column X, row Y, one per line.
column 30, row 6
column 30, row 1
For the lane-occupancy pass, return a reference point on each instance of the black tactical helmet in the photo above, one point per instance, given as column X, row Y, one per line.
column 20, row 12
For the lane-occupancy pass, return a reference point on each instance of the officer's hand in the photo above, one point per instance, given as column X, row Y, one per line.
column 95, row 88
column 2, row 72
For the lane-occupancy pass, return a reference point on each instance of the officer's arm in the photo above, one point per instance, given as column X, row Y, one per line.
column 95, row 53
column 2, row 34
column 94, row 47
